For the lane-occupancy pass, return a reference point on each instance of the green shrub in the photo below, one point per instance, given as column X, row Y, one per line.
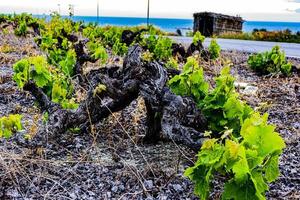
column 214, row 49
column 34, row 68
column 277, row 36
column 67, row 65
column 163, row 50
column 119, row 48
column 108, row 36
column 273, row 61
column 237, row 36
column 198, row 37
column 21, row 30
column 249, row 161
column 101, row 54
column 54, row 41
column 159, row 46
column 150, row 41
column 264, row 35
column 243, row 146
column 55, row 84
column 23, row 21
column 147, row 56
column 4, row 18
column 222, row 107
column 189, row 34
column 9, row 125
column 190, row 82
column 61, row 93
column 172, row 63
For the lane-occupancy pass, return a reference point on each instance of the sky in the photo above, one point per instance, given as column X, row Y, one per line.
column 256, row 10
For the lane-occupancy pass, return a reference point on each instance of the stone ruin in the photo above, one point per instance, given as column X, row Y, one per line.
column 210, row 24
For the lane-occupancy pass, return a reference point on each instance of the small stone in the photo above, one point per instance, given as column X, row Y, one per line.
column 114, row 189
column 293, row 171
column 250, row 90
column 148, row 184
column 105, row 170
column 163, row 197
column 121, row 188
column 73, row 195
column 14, row 193
column 108, row 195
column 177, row 188
column 240, row 85
column 91, row 193
column 296, row 125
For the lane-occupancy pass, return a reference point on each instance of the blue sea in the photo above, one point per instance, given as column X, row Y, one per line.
column 171, row 25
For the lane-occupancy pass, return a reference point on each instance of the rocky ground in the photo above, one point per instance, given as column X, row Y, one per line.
column 111, row 162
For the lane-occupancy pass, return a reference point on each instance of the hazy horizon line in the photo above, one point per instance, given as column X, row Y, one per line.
column 114, row 16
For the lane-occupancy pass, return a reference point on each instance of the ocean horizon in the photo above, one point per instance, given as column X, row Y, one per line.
column 171, row 25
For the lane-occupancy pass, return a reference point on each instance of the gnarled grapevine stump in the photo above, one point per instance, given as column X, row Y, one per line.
column 169, row 116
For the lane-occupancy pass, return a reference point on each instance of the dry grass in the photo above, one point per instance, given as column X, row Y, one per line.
column 6, row 48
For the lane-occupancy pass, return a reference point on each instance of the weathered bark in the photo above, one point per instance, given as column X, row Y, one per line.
column 2, row 20
column 5, row 25
column 81, row 56
column 36, row 27
column 119, row 95
column 173, row 72
column 41, row 97
column 152, row 92
column 179, row 51
column 193, row 48
column 153, row 122
column 295, row 69
column 198, row 47
column 182, row 121
column 205, row 54
column 176, row 117
column 129, row 36
column 182, row 54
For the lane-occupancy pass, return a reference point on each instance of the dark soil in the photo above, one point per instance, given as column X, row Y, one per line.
column 111, row 162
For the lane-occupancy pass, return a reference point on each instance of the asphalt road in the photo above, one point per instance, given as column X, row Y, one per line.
column 291, row 49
